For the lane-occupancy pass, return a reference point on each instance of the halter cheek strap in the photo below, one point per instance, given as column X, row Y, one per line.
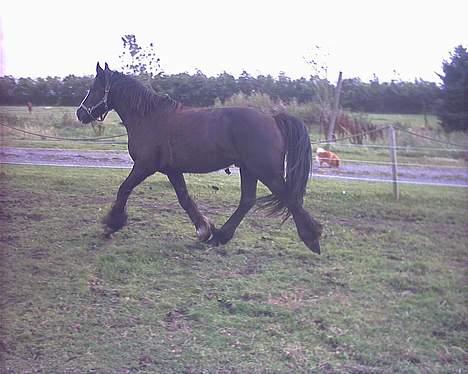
column 102, row 101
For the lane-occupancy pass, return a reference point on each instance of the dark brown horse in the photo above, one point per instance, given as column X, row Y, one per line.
column 165, row 137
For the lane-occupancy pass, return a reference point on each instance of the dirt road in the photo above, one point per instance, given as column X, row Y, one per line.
column 441, row 176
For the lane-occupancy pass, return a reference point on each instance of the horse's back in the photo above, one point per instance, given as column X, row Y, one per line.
column 243, row 127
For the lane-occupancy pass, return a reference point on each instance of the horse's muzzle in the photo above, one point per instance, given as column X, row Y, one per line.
column 83, row 116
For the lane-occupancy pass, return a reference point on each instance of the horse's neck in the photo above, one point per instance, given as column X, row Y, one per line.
column 130, row 112
column 125, row 112
column 134, row 121
column 124, row 115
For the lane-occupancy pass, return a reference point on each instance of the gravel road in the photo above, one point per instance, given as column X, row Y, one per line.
column 443, row 176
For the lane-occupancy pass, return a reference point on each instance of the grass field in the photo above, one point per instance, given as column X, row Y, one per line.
column 410, row 120
column 387, row 295
column 58, row 122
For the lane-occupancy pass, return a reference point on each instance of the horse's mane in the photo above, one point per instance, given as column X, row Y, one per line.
column 139, row 98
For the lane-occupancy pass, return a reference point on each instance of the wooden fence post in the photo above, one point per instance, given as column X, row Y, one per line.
column 336, row 103
column 393, row 158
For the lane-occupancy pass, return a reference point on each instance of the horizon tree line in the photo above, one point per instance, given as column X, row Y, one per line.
column 449, row 100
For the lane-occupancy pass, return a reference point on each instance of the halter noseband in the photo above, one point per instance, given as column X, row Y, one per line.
column 102, row 101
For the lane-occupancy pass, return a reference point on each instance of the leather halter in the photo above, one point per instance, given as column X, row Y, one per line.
column 102, row 101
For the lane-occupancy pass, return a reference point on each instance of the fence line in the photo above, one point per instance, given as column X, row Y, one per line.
column 407, row 149
column 430, row 138
column 120, row 135
column 393, row 147
column 366, row 179
column 402, row 164
column 364, row 133
column 402, row 147
column 333, row 143
column 102, row 140
column 61, row 138
column 37, row 109
column 462, row 148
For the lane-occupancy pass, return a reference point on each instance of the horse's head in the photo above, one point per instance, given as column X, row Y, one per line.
column 95, row 105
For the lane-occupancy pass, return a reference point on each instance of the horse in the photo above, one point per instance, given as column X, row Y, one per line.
column 166, row 137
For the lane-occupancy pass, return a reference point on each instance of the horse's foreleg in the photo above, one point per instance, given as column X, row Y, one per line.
column 117, row 217
column 247, row 201
column 201, row 223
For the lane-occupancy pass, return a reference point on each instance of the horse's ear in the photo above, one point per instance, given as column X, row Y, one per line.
column 99, row 69
column 106, row 67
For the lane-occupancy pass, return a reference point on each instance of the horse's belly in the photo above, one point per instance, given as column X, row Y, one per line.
column 196, row 156
column 206, row 166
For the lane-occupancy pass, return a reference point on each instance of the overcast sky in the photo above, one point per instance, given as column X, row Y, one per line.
column 394, row 39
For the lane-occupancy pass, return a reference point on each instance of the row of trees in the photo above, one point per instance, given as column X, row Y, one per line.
column 68, row 91
column 200, row 90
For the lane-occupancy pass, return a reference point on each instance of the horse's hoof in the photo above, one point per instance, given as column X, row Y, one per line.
column 110, row 228
column 204, row 231
column 107, row 234
column 314, row 246
column 114, row 222
column 215, row 237
column 212, row 242
column 218, row 237
column 203, row 235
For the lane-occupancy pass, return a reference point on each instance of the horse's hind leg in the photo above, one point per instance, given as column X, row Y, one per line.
column 308, row 229
column 201, row 223
column 247, row 201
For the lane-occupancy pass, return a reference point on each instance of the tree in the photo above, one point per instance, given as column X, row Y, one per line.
column 139, row 60
column 453, row 112
column 226, row 86
column 322, row 88
column 246, row 83
column 73, row 89
column 24, row 91
column 7, row 88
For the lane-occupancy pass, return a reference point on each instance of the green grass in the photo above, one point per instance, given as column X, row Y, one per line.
column 409, row 120
column 58, row 122
column 388, row 293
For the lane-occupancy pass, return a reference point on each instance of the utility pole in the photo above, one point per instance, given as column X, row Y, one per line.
column 393, row 158
column 334, row 115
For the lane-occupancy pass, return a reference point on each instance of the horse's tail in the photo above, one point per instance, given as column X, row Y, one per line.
column 298, row 154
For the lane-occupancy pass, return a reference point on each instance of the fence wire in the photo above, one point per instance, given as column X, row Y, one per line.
column 335, row 144
column 42, row 136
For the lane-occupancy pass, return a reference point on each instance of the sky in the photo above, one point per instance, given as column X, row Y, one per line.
column 391, row 39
